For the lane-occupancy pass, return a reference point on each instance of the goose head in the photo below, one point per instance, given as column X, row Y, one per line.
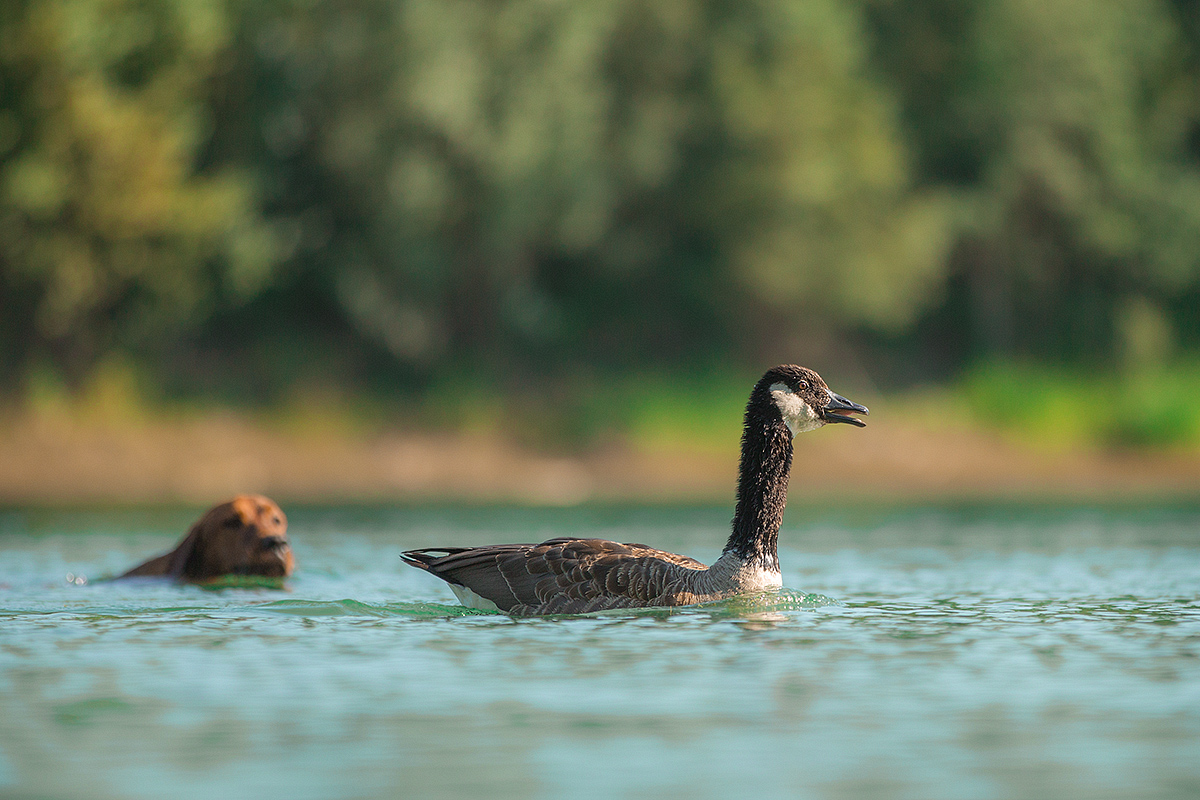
column 804, row 400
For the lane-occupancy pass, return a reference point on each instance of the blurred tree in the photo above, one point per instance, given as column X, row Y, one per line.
column 533, row 188
column 1070, row 126
column 817, row 206
column 108, row 234
column 529, row 185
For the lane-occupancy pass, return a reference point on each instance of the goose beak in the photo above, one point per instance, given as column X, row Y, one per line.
column 839, row 403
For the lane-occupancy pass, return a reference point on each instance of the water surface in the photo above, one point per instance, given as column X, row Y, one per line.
column 915, row 653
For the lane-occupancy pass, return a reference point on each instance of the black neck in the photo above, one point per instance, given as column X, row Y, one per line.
column 762, row 483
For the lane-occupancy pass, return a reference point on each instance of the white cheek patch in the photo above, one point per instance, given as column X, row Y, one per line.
column 798, row 415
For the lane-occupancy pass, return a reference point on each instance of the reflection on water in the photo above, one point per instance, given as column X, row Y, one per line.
column 932, row 654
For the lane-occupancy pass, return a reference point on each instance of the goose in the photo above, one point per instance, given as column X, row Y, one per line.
column 578, row 576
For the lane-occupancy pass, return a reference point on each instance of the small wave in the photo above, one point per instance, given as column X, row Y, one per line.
column 741, row 606
column 757, row 605
column 355, row 608
column 242, row 582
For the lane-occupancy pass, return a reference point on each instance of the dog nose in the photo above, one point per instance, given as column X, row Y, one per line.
column 272, row 543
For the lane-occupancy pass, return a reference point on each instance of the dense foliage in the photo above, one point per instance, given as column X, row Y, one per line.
column 246, row 197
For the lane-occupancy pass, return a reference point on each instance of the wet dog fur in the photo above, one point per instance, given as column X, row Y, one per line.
column 245, row 536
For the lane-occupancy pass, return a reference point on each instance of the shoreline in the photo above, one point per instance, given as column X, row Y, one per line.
column 62, row 461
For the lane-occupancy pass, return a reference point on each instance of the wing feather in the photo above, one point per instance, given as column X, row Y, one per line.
column 564, row 575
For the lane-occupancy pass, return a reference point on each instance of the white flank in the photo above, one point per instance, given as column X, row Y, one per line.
column 730, row 573
column 759, row 580
column 472, row 600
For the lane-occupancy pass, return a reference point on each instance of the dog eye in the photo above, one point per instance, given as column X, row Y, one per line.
column 277, row 520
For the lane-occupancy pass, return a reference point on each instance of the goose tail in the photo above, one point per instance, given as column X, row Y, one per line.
column 428, row 557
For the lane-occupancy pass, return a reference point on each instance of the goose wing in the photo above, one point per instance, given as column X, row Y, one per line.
column 565, row 575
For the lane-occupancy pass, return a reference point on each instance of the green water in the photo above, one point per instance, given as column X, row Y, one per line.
column 920, row 653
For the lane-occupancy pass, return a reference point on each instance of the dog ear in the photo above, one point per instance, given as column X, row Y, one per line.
column 183, row 561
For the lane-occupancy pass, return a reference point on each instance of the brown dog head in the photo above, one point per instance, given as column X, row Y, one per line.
column 246, row 536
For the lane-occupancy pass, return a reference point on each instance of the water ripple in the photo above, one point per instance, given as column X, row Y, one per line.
column 934, row 656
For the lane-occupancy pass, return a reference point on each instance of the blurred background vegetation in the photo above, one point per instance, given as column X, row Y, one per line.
column 449, row 208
